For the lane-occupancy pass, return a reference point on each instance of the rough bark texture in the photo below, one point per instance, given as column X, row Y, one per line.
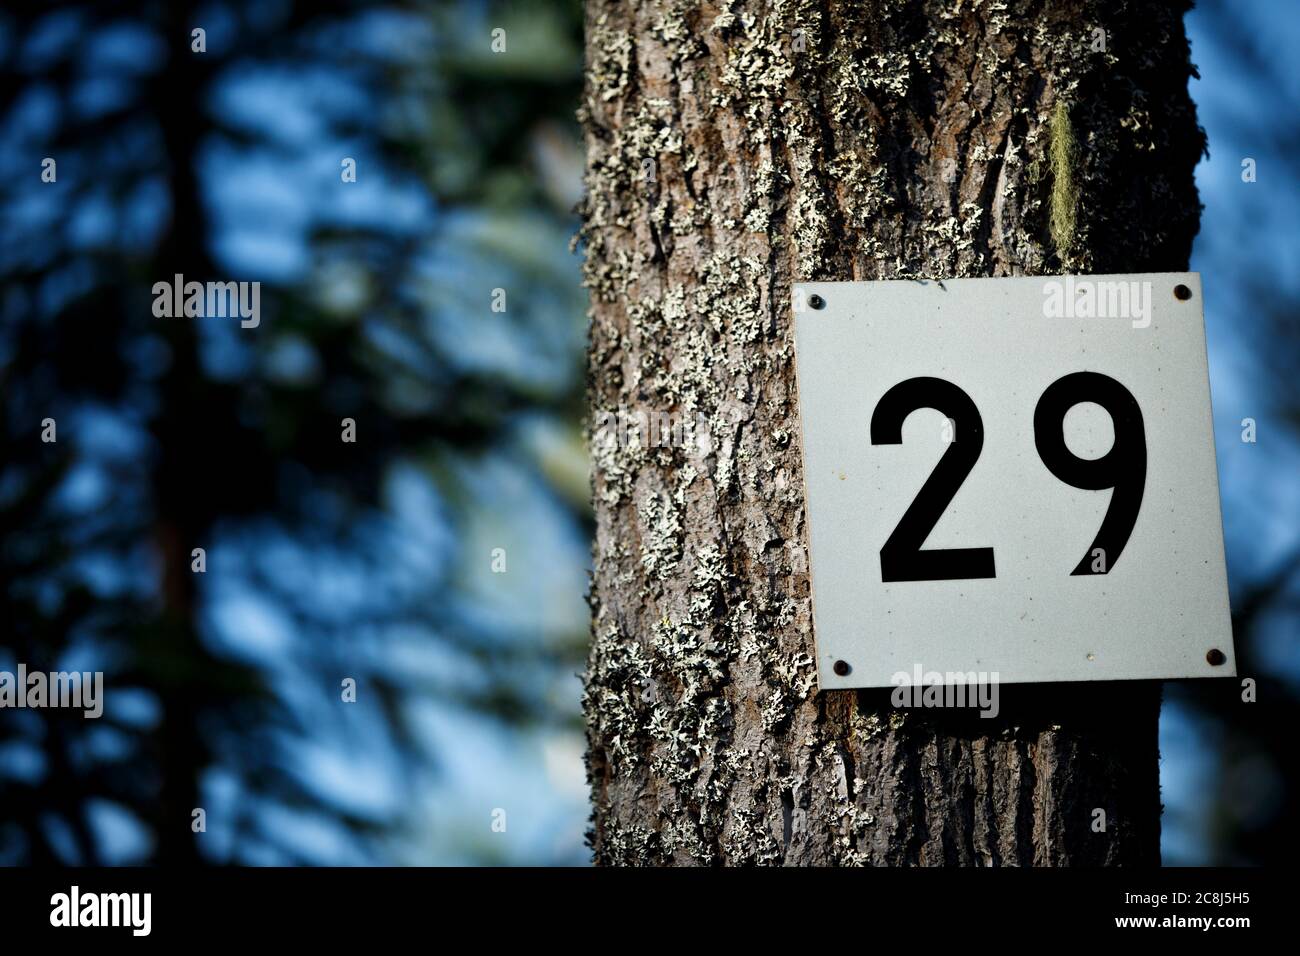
column 735, row 148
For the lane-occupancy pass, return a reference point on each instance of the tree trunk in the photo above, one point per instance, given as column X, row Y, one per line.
column 736, row 148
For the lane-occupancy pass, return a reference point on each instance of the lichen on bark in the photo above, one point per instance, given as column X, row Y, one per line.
column 736, row 148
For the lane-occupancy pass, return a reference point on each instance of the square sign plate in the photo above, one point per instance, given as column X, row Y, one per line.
column 1011, row 477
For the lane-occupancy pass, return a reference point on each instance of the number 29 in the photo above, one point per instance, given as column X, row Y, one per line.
column 1123, row 468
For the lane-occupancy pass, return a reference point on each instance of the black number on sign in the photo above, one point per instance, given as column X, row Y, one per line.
column 901, row 559
column 1123, row 468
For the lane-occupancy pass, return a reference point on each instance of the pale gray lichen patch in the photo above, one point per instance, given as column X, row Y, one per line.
column 661, row 528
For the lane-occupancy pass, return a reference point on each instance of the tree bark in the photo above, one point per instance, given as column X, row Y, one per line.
column 736, row 148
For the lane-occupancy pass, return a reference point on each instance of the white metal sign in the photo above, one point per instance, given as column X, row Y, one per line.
column 1012, row 478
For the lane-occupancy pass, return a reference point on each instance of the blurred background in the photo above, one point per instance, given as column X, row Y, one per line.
column 440, row 560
